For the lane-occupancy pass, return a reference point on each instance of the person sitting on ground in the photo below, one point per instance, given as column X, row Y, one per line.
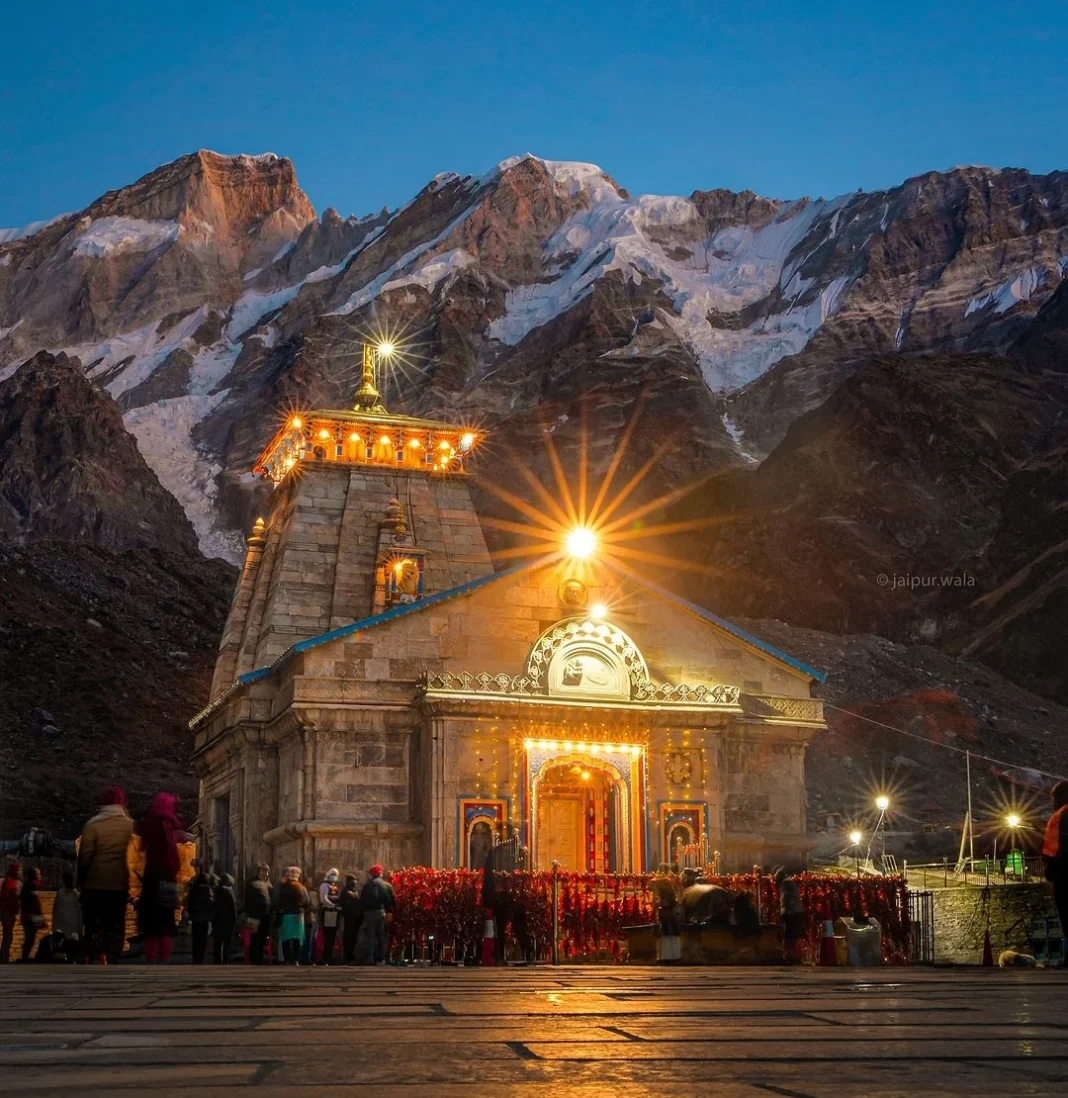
column 292, row 906
column 200, row 903
column 351, row 917
column 67, row 914
column 223, row 919
column 376, row 900
column 103, row 877
column 31, row 913
column 10, row 891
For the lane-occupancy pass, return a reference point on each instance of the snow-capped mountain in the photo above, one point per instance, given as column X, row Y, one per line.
column 868, row 385
column 207, row 295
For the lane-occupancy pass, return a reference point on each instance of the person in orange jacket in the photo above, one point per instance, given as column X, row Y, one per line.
column 1055, row 851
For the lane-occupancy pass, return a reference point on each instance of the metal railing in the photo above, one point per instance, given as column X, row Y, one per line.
column 982, row 872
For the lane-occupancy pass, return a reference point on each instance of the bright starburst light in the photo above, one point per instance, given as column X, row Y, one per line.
column 571, row 518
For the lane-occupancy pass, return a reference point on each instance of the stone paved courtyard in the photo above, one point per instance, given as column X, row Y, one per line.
column 568, row 1031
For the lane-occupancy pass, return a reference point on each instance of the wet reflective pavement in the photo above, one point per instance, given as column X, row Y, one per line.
column 669, row 1033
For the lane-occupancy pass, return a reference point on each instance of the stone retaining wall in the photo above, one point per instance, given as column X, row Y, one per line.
column 963, row 914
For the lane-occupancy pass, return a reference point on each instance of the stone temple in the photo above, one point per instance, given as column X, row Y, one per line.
column 382, row 694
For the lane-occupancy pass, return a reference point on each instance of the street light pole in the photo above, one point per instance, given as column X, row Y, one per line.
column 855, row 837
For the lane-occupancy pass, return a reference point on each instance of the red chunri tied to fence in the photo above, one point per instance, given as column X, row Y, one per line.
column 446, row 906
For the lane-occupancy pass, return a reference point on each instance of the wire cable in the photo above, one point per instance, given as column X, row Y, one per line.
column 945, row 746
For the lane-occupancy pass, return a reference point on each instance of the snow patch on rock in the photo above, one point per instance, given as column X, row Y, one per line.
column 164, row 433
column 736, row 267
column 110, row 235
column 1015, row 289
column 253, row 305
column 434, row 271
column 737, row 436
column 9, row 236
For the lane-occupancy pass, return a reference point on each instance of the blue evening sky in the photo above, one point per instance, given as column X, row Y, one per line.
column 371, row 100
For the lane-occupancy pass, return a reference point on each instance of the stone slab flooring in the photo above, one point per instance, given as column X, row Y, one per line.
column 627, row 1032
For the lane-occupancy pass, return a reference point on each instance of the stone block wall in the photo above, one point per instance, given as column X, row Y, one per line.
column 962, row 915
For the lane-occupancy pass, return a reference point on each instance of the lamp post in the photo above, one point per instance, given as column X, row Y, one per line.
column 855, row 837
column 1013, row 820
column 882, row 803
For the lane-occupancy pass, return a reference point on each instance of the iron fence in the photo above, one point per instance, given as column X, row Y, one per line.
column 921, row 928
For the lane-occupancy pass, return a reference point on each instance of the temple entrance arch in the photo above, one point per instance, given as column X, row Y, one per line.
column 585, row 807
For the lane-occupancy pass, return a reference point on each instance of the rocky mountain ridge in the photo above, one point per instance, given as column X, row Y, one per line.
column 207, row 295
column 838, row 389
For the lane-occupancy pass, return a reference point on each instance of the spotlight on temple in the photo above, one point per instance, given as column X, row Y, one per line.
column 855, row 837
column 882, row 802
column 386, row 349
column 1012, row 820
column 581, row 543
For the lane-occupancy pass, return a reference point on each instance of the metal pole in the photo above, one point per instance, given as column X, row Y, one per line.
column 556, row 913
column 971, row 832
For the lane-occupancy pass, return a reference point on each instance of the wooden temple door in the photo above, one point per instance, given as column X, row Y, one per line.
column 561, row 836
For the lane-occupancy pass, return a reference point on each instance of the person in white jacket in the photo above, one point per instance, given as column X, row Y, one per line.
column 329, row 912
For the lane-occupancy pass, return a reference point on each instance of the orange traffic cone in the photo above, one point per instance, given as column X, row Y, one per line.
column 828, row 949
column 488, row 942
column 988, row 952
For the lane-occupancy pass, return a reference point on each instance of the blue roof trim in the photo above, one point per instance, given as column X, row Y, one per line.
column 380, row 619
column 483, row 581
column 730, row 627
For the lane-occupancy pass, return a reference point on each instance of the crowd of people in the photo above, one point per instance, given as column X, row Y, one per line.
column 285, row 922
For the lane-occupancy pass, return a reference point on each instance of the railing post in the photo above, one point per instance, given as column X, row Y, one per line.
column 556, row 913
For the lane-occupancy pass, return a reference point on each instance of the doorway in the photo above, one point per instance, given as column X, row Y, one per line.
column 575, row 817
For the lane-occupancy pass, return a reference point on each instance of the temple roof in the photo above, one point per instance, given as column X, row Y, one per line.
column 470, row 587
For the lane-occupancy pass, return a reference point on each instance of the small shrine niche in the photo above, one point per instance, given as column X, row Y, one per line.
column 400, row 564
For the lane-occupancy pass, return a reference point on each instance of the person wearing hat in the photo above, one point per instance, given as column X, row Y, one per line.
column 292, row 906
column 376, row 901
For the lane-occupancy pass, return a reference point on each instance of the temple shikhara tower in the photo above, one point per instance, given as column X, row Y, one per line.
column 382, row 694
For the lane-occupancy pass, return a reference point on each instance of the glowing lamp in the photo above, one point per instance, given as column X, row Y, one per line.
column 354, row 437
column 385, row 349
column 636, row 750
column 385, row 440
column 528, row 744
column 882, row 803
column 324, row 433
column 296, row 422
column 855, row 837
column 598, row 610
column 444, row 445
column 290, row 462
column 467, row 441
column 1013, row 820
column 415, row 444
column 585, row 775
column 581, row 543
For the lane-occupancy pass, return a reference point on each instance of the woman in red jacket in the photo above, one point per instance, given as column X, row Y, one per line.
column 159, row 831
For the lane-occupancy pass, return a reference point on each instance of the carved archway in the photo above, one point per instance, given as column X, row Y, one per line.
column 583, row 656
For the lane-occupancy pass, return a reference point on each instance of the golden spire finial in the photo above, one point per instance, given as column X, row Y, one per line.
column 368, row 398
